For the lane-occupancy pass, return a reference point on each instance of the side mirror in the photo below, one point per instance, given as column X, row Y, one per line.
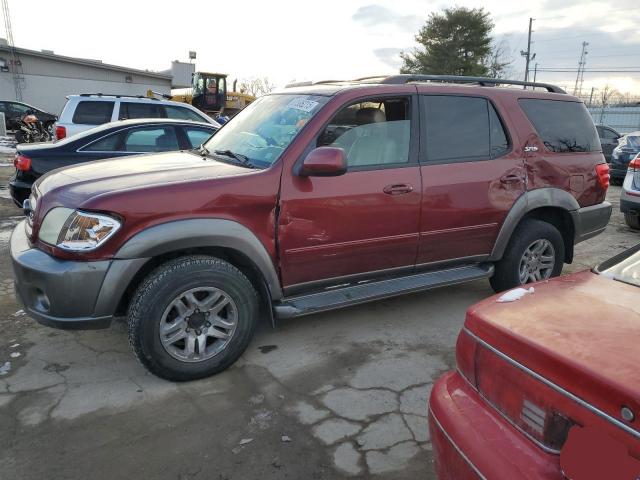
column 324, row 162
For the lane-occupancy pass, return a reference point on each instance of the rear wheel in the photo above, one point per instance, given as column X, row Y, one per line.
column 632, row 220
column 535, row 252
column 192, row 317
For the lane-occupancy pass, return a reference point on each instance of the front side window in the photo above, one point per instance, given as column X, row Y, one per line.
column 262, row 131
column 93, row 113
column 461, row 129
column 197, row 136
column 182, row 113
column 372, row 132
column 138, row 110
column 151, row 140
column 563, row 126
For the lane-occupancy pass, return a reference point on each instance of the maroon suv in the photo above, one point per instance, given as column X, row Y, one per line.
column 318, row 197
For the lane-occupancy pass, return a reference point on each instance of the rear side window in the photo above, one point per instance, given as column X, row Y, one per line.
column 563, row 126
column 461, row 129
column 138, row 110
column 110, row 143
column 182, row 113
column 93, row 113
column 151, row 140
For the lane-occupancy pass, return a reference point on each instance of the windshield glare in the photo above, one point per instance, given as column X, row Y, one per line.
column 263, row 130
column 626, row 270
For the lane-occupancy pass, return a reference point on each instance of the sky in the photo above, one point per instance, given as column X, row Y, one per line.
column 328, row 39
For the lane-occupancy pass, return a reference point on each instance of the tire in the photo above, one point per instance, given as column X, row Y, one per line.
column 507, row 270
column 632, row 220
column 166, row 288
column 21, row 137
column 616, row 182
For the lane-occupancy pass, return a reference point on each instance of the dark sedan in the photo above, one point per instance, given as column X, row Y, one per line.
column 111, row 140
column 14, row 111
column 627, row 149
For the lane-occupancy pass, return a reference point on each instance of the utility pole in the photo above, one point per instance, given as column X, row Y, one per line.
column 535, row 72
column 577, row 89
column 591, row 96
column 527, row 53
column 14, row 62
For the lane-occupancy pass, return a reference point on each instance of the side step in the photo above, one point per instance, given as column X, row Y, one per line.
column 345, row 297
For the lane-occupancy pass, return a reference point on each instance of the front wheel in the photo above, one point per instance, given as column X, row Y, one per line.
column 534, row 253
column 192, row 317
column 22, row 137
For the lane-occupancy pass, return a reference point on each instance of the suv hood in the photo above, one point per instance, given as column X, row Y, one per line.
column 94, row 178
column 580, row 332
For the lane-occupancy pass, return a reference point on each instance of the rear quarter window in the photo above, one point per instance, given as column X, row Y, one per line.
column 93, row 113
column 563, row 126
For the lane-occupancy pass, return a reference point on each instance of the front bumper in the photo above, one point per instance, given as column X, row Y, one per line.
column 591, row 221
column 68, row 294
column 472, row 441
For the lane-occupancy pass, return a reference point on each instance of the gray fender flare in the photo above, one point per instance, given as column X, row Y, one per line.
column 528, row 201
column 203, row 232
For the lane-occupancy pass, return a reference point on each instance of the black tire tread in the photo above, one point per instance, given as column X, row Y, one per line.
column 633, row 221
column 152, row 281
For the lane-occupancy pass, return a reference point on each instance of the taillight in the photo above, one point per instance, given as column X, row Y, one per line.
column 61, row 132
column 22, row 162
column 635, row 163
column 522, row 399
column 602, row 170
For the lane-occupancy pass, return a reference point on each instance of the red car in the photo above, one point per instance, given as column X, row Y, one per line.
column 547, row 386
column 310, row 199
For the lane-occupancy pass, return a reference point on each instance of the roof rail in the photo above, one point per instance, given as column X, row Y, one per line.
column 483, row 81
column 117, row 95
column 407, row 78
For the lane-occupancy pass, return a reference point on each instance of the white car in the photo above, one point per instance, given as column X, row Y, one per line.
column 85, row 111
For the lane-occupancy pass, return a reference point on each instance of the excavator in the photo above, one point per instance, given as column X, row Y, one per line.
column 209, row 93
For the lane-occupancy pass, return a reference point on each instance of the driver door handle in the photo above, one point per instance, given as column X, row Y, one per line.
column 398, row 189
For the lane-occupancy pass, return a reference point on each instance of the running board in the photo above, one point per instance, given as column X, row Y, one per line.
column 329, row 300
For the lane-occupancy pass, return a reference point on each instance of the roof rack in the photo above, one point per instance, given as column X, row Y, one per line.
column 117, row 95
column 483, row 81
column 407, row 78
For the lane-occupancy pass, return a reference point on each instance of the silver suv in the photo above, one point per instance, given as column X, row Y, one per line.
column 85, row 111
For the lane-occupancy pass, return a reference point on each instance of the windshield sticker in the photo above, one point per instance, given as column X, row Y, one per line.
column 302, row 104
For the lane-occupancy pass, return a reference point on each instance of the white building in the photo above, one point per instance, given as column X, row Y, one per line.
column 45, row 79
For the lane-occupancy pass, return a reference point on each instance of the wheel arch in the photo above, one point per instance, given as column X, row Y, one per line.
column 220, row 238
column 551, row 205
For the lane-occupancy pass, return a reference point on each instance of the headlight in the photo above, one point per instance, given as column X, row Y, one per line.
column 76, row 230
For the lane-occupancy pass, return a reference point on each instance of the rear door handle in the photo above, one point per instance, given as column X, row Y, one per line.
column 511, row 179
column 398, row 189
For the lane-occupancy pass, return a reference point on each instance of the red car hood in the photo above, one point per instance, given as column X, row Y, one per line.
column 91, row 179
column 581, row 332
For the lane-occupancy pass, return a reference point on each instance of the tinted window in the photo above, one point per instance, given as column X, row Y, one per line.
column 197, row 136
column 20, row 109
column 458, row 128
column 151, row 140
column 181, row 113
column 608, row 134
column 562, row 126
column 371, row 132
column 138, row 110
column 499, row 140
column 93, row 113
column 110, row 143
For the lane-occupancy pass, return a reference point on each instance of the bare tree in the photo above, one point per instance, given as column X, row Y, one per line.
column 256, row 86
column 607, row 95
column 498, row 63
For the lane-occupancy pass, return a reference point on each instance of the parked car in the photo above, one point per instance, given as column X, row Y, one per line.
column 608, row 140
column 85, row 111
column 630, row 194
column 312, row 199
column 14, row 111
column 628, row 147
column 549, row 382
column 112, row 140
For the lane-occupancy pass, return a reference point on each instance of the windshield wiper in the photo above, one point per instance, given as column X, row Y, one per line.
column 241, row 159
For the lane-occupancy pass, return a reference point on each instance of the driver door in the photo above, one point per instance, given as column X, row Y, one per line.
column 364, row 223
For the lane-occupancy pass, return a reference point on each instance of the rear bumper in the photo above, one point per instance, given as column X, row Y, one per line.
column 68, row 294
column 19, row 191
column 472, row 441
column 617, row 173
column 591, row 221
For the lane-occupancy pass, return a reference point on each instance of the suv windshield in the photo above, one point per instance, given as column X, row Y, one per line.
column 263, row 130
column 624, row 267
